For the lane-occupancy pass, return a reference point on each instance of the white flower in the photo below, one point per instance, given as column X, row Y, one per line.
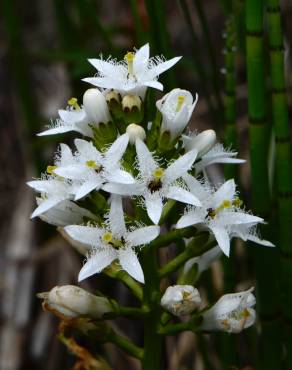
column 92, row 168
column 54, row 190
column 232, row 313
column 204, row 261
column 112, row 242
column 217, row 154
column 72, row 301
column 220, row 212
column 95, row 106
column 155, row 183
column 65, row 213
column 176, row 108
column 73, row 118
column 181, row 299
column 132, row 75
column 203, row 142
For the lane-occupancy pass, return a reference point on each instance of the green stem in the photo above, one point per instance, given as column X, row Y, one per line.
column 151, row 299
column 196, row 247
column 131, row 312
column 283, row 163
column 173, row 329
column 125, row 344
column 266, row 260
column 172, row 236
column 116, row 273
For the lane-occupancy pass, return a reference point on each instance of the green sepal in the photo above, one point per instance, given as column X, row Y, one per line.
column 104, row 134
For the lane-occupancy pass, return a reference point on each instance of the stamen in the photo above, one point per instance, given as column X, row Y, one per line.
column 226, row 203
column 107, row 237
column 180, row 101
column 237, row 202
column 73, row 102
column 50, row 169
column 129, row 58
column 158, row 173
column 186, row 295
column 91, row 164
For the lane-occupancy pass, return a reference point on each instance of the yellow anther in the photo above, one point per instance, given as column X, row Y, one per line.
column 91, row 164
column 226, row 203
column 180, row 101
column 186, row 295
column 129, row 58
column 107, row 237
column 245, row 313
column 237, row 202
column 73, row 102
column 51, row 169
column 158, row 173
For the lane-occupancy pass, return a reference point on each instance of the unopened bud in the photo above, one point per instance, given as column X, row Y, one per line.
column 135, row 132
column 113, row 96
column 202, row 142
column 131, row 102
column 232, row 313
column 181, row 299
column 71, row 301
column 95, row 106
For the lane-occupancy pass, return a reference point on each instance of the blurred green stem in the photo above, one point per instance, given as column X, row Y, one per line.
column 283, row 164
column 266, row 260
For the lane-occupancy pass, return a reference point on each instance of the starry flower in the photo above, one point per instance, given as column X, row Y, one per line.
column 65, row 213
column 132, row 75
column 92, row 168
column 232, row 313
column 176, row 108
column 54, row 189
column 155, row 183
column 220, row 212
column 81, row 119
column 112, row 242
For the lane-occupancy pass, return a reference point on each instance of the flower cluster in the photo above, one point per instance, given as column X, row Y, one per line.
column 157, row 165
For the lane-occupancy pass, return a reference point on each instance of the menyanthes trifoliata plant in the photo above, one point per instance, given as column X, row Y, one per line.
column 130, row 186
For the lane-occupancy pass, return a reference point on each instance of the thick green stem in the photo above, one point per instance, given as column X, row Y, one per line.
column 172, row 236
column 151, row 299
column 116, row 273
column 283, row 163
column 196, row 247
column 125, row 344
column 173, row 329
column 266, row 260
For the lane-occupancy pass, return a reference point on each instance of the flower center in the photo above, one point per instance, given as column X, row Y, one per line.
column 237, row 202
column 180, row 101
column 92, row 164
column 158, row 173
column 109, row 239
column 50, row 169
column 73, row 102
column 129, row 58
column 226, row 203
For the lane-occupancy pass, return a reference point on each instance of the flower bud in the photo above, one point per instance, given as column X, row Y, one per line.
column 232, row 313
column 181, row 299
column 113, row 96
column 130, row 102
column 204, row 261
column 203, row 142
column 95, row 106
column 135, row 132
column 176, row 108
column 72, row 301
